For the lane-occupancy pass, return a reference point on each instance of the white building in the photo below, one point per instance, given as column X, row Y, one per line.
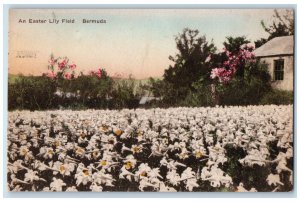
column 278, row 53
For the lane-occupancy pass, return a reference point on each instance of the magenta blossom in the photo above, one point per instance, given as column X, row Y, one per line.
column 222, row 74
column 97, row 73
column 51, row 75
column 52, row 61
column 63, row 63
column 235, row 60
column 60, row 67
column 72, row 66
column 68, row 76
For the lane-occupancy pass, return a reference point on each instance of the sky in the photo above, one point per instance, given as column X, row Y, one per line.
column 135, row 42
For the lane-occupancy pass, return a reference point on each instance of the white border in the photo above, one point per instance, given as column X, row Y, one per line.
column 158, row 2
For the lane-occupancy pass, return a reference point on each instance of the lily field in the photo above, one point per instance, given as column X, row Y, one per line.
column 242, row 149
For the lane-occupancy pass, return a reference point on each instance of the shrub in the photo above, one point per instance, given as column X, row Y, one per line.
column 248, row 89
column 31, row 92
column 278, row 97
column 123, row 95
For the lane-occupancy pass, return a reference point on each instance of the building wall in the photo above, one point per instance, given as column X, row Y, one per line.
column 287, row 82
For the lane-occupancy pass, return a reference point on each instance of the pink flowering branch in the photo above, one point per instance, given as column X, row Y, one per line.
column 51, row 75
column 229, row 67
column 60, row 66
column 98, row 73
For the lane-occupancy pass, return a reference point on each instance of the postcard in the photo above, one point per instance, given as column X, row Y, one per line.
column 150, row 100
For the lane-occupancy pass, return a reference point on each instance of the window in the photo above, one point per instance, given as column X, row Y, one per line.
column 278, row 69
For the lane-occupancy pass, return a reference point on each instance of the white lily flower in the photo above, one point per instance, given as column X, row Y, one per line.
column 274, row 180
column 164, row 188
column 126, row 174
column 57, row 184
column 96, row 188
column 241, row 188
column 31, row 176
column 130, row 162
column 101, row 177
column 173, row 177
column 71, row 189
column 63, row 168
column 145, row 183
column 216, row 176
column 83, row 175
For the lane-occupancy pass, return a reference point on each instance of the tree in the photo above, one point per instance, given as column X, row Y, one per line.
column 92, row 90
column 193, row 61
column 282, row 25
column 31, row 92
column 124, row 94
column 233, row 44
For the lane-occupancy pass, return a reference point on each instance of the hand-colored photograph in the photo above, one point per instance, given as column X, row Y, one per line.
column 150, row 100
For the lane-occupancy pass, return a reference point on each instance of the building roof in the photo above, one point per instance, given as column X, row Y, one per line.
column 145, row 99
column 283, row 45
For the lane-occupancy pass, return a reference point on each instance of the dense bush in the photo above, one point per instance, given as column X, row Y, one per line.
column 191, row 63
column 123, row 95
column 82, row 92
column 32, row 92
column 202, row 95
column 90, row 91
column 278, row 97
column 246, row 90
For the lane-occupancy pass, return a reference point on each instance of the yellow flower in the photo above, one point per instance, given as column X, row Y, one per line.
column 50, row 151
column 24, row 151
column 103, row 163
column 104, row 128
column 57, row 143
column 136, row 149
column 95, row 154
column 118, row 132
column 198, row 154
column 85, row 172
column 144, row 174
column 128, row 165
column 62, row 168
column 183, row 155
column 79, row 151
column 82, row 135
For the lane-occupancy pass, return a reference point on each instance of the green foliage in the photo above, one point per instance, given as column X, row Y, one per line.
column 83, row 92
column 233, row 44
column 31, row 92
column 189, row 65
column 247, row 90
column 155, row 86
column 260, row 42
column 190, row 61
column 123, row 95
column 91, row 91
column 278, row 97
column 201, row 96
